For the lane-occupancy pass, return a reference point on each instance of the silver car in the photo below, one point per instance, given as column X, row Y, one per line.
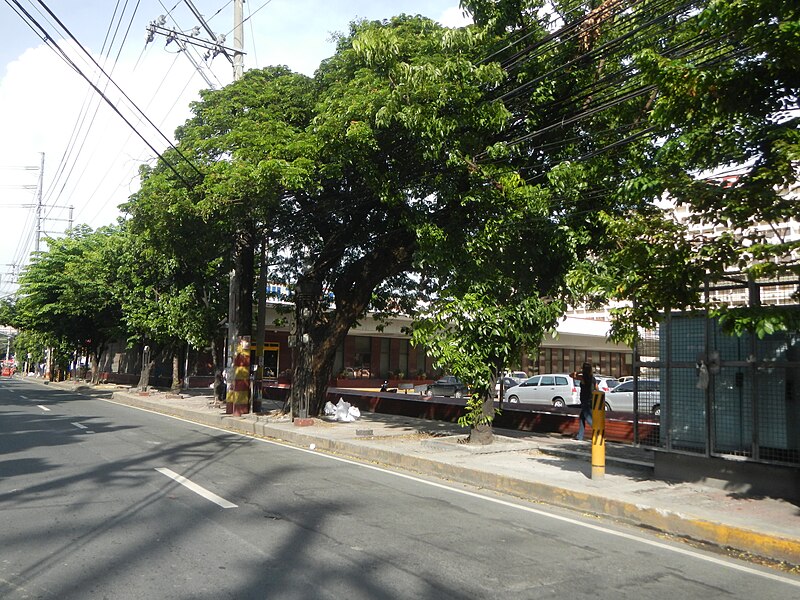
column 620, row 398
column 557, row 389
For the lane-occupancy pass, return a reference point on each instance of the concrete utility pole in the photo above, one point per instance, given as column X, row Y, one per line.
column 39, row 204
column 235, row 298
column 238, row 39
column 236, row 57
column 213, row 47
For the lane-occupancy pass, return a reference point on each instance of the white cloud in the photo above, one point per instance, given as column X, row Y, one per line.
column 42, row 102
column 454, row 17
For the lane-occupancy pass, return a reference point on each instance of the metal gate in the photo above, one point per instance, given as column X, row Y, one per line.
column 721, row 394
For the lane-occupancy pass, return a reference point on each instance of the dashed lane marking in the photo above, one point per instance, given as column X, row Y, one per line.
column 197, row 489
column 84, row 427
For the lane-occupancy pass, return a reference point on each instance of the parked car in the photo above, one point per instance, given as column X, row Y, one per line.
column 508, row 382
column 558, row 389
column 606, row 383
column 625, row 378
column 603, row 383
column 449, row 385
column 517, row 376
column 621, row 397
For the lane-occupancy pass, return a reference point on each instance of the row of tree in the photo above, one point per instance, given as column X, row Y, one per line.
column 480, row 179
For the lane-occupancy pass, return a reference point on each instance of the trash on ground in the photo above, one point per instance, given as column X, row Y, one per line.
column 342, row 411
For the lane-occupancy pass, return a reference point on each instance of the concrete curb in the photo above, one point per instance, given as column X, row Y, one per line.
column 665, row 521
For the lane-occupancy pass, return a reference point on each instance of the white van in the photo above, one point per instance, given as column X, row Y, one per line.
column 620, row 398
column 557, row 389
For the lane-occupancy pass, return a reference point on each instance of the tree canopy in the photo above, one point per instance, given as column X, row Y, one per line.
column 64, row 293
column 481, row 179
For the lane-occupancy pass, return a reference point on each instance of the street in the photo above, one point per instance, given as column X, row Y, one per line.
column 100, row 500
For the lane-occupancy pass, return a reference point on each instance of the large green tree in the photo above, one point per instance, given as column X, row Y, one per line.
column 204, row 207
column 171, row 273
column 618, row 104
column 399, row 116
column 344, row 172
column 64, row 294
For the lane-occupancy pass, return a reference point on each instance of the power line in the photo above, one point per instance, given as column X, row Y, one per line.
column 42, row 33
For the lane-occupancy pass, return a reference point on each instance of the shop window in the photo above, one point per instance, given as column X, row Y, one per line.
column 362, row 358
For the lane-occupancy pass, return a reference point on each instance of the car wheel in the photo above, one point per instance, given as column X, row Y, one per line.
column 558, row 402
column 459, row 394
column 608, row 407
column 513, row 399
column 657, row 410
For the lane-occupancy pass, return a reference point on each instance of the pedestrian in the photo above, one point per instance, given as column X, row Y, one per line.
column 588, row 384
column 220, row 390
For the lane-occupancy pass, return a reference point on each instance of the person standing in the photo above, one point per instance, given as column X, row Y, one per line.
column 220, row 390
column 588, row 384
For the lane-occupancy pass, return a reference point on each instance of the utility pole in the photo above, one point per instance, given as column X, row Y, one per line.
column 238, row 39
column 213, row 47
column 39, row 204
column 239, row 300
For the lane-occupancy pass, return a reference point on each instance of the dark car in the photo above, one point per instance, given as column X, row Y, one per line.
column 449, row 385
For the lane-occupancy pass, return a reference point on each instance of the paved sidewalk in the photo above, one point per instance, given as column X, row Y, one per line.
column 536, row 467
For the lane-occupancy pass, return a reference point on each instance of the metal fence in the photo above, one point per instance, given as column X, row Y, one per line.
column 721, row 394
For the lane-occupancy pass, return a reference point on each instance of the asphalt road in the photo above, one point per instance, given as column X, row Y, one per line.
column 90, row 508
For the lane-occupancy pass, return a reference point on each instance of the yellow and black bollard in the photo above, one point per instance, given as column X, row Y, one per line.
column 598, row 435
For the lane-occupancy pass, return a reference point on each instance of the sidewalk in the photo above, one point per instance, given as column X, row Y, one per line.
column 536, row 467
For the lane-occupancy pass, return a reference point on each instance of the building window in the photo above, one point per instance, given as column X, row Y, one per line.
column 420, row 361
column 362, row 357
column 402, row 363
column 385, row 357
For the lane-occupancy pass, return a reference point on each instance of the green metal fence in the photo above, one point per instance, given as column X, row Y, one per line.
column 721, row 394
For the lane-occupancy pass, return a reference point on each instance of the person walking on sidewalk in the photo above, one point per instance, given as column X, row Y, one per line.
column 588, row 384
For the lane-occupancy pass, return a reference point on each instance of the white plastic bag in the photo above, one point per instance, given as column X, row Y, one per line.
column 343, row 411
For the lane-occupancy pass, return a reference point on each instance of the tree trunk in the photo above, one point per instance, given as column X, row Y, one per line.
column 94, row 362
column 481, row 432
column 319, row 331
column 147, row 365
column 176, row 372
column 315, row 343
column 304, row 387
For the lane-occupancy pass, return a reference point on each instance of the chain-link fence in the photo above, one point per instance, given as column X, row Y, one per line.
column 718, row 394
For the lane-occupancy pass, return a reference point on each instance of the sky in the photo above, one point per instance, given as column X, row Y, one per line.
column 51, row 116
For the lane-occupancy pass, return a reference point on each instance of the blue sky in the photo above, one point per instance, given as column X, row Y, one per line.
column 90, row 155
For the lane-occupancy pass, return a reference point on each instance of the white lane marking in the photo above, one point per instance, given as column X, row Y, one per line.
column 43, row 407
column 201, row 491
column 79, row 425
column 677, row 549
column 23, row 397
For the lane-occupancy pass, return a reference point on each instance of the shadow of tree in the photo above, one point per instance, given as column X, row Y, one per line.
column 304, row 529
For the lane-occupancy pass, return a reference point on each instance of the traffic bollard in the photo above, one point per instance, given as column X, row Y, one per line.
column 598, row 435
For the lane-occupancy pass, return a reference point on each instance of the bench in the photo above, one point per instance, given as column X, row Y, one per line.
column 405, row 387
